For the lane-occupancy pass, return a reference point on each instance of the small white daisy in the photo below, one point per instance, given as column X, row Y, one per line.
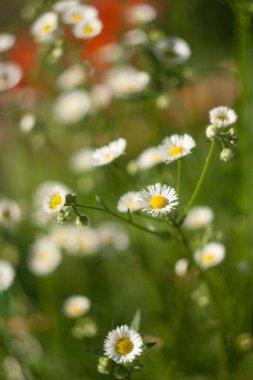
column 181, row 267
column 7, row 40
column 44, row 257
column 72, row 106
column 172, row 50
column 109, row 53
column 64, row 5
column 86, row 244
column 135, row 37
column 72, row 77
column 27, row 122
column 64, row 237
column 210, row 255
column 141, row 13
column 123, row 344
column 158, row 199
column 198, row 217
column 79, row 13
column 176, row 146
column 7, row 274
column 80, row 161
column 112, row 235
column 128, row 202
column 101, row 96
column 149, row 158
column 109, row 153
column 9, row 212
column 222, row 116
column 88, row 28
column 76, row 306
column 127, row 81
column 44, row 27
column 10, row 75
column 54, row 200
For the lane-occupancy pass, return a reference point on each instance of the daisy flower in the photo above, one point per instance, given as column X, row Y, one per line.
column 27, row 122
column 76, row 306
column 72, row 77
column 86, row 243
column 222, row 116
column 112, row 235
column 127, row 81
column 109, row 153
column 128, row 202
column 7, row 40
column 198, row 217
column 101, row 96
column 64, row 5
column 72, row 106
column 88, row 28
column 80, row 161
column 10, row 75
column 210, row 255
column 9, row 212
column 79, row 13
column 175, row 147
column 158, row 199
column 44, row 258
column 172, row 50
column 149, row 158
column 123, row 344
column 7, row 275
column 44, row 27
column 54, row 200
column 181, row 267
column 141, row 13
column 135, row 37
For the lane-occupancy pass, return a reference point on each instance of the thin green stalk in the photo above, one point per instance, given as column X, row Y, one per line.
column 131, row 223
column 179, row 175
column 201, row 178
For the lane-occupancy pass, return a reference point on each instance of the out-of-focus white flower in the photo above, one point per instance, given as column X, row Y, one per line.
column 149, row 158
column 128, row 202
column 141, row 13
column 127, row 81
column 64, row 5
column 7, row 274
column 7, row 40
column 158, row 199
column 162, row 101
column 10, row 75
column 9, row 212
column 27, row 122
column 73, row 77
column 54, row 200
column 79, row 13
column 44, row 27
column 210, row 255
column 13, row 369
column 44, row 257
column 101, row 96
column 198, row 217
column 109, row 53
column 172, row 50
column 222, row 117
column 181, row 267
column 135, row 37
column 72, row 106
column 88, row 28
column 109, row 153
column 112, row 235
column 123, row 345
column 76, row 306
column 176, row 146
column 64, row 237
column 86, row 244
column 81, row 161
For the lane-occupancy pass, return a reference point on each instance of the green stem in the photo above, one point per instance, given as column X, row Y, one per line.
column 201, row 179
column 179, row 174
column 154, row 232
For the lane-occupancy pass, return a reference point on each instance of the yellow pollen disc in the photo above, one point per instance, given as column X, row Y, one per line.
column 176, row 150
column 88, row 29
column 47, row 28
column 107, row 155
column 222, row 117
column 158, row 201
column 56, row 201
column 124, row 346
column 77, row 18
column 75, row 310
column 6, row 214
column 207, row 258
column 169, row 53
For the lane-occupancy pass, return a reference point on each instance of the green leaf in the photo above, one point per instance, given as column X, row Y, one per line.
column 149, row 345
column 135, row 324
column 100, row 202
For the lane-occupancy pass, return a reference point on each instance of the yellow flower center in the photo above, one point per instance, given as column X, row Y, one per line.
column 46, row 28
column 222, row 117
column 176, row 150
column 124, row 346
column 88, row 29
column 75, row 310
column 107, row 155
column 158, row 201
column 169, row 53
column 6, row 214
column 207, row 258
column 131, row 204
column 77, row 18
column 56, row 201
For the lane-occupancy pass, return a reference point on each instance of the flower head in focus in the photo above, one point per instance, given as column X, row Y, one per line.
column 222, row 117
column 175, row 147
column 54, row 200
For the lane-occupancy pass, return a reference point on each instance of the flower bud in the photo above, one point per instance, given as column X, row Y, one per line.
column 65, row 215
column 82, row 221
column 104, row 365
column 226, row 154
column 211, row 131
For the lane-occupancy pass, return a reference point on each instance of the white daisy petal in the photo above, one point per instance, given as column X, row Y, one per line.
column 45, row 26
column 109, row 153
column 10, row 75
column 88, row 28
column 128, row 202
column 222, row 116
column 210, row 255
column 175, row 147
column 79, row 13
column 172, row 50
